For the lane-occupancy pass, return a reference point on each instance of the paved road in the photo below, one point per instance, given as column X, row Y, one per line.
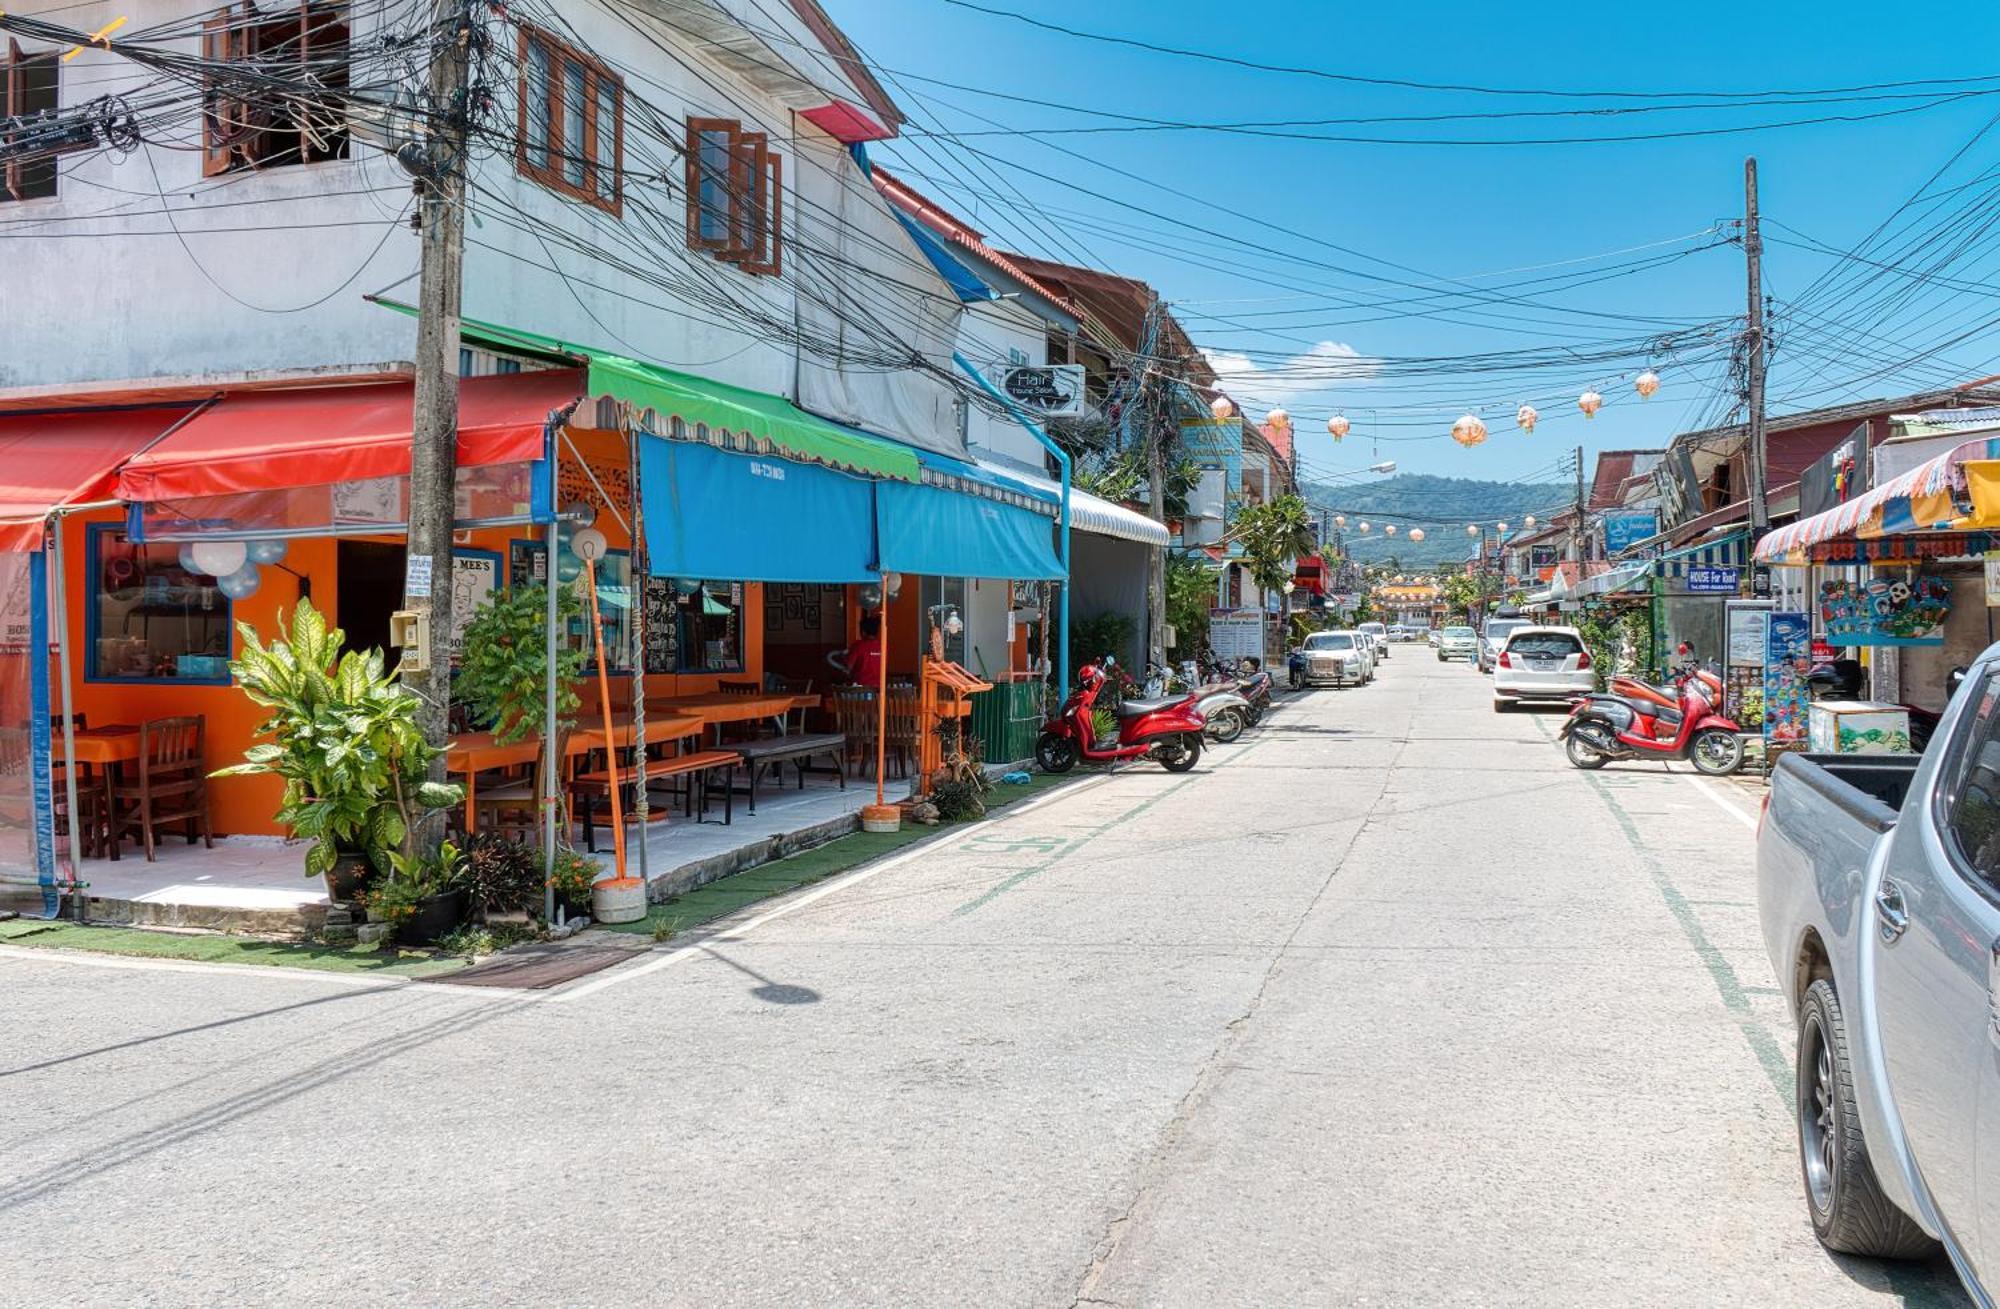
column 1385, row 1005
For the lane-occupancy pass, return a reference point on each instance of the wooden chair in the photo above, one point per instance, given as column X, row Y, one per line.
column 738, row 686
column 854, row 716
column 512, row 806
column 903, row 727
column 171, row 785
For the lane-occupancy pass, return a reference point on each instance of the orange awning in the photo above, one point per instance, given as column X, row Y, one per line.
column 53, row 459
column 275, row 440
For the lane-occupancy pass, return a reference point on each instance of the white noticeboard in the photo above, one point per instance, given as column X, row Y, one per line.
column 1236, row 633
column 1745, row 632
column 1993, row 579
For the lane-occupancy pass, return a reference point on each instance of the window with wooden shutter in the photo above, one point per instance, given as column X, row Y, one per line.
column 572, row 122
column 735, row 195
column 245, row 126
column 31, row 86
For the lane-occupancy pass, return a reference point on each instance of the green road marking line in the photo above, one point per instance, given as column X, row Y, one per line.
column 1036, row 870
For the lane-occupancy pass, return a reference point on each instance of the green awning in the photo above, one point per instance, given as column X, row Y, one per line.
column 680, row 406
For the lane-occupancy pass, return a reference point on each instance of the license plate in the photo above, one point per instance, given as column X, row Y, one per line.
column 1544, row 665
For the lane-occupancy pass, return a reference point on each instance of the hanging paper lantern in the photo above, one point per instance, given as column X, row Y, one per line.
column 1416, row 533
column 1646, row 384
column 1529, row 522
column 1472, row 529
column 1389, row 530
column 1525, row 418
column 1364, row 524
column 1279, row 419
column 1468, row 431
column 1501, row 528
column 219, row 558
column 1221, row 407
column 1340, row 520
column 1337, row 425
column 1590, row 402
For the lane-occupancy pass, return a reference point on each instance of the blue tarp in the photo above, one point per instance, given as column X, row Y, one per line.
column 940, row 533
column 733, row 517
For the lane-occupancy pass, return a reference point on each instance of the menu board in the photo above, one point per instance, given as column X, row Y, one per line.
column 662, row 626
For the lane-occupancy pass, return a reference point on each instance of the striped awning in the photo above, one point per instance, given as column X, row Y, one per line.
column 1930, row 497
column 1732, row 551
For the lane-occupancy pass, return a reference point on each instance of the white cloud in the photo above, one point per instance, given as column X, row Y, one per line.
column 1328, row 365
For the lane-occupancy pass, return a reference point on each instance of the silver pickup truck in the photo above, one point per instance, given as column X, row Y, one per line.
column 1879, row 889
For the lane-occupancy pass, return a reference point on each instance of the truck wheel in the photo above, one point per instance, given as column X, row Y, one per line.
column 1849, row 1212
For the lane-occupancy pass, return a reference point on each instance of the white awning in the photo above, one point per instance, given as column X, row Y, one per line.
column 1087, row 513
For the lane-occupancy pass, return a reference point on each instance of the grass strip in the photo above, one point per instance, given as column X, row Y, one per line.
column 382, row 960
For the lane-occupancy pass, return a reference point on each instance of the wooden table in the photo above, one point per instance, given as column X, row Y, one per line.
column 473, row 753
column 102, row 749
column 718, row 707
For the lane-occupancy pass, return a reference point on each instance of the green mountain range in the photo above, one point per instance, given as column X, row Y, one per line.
column 1441, row 506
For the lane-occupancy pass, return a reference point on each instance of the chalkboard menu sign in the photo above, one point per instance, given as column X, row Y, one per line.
column 662, row 626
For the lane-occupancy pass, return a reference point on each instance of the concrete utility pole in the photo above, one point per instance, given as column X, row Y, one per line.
column 1154, row 412
column 1753, row 255
column 434, row 420
column 1577, row 529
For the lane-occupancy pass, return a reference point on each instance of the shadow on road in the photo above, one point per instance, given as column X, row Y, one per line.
column 179, row 1031
column 768, row 991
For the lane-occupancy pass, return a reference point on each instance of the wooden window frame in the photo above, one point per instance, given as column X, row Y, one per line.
column 237, row 137
column 596, row 76
column 13, row 96
column 753, row 237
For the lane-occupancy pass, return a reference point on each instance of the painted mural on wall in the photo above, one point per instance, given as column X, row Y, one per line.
column 1885, row 610
column 1787, row 661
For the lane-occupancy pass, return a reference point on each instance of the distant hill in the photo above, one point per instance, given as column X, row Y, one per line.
column 1439, row 505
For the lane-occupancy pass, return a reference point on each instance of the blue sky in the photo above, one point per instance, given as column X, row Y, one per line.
column 1454, row 213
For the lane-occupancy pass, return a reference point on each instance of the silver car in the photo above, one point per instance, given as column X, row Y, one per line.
column 1379, row 634
column 1337, row 659
column 1494, row 637
column 1458, row 643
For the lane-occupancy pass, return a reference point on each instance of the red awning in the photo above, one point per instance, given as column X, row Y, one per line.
column 274, row 440
column 53, row 459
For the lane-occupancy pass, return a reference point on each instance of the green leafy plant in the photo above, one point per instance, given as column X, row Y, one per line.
column 1191, row 584
column 502, row 876
column 413, row 879
column 502, row 679
column 1090, row 639
column 1271, row 535
column 345, row 740
column 575, row 874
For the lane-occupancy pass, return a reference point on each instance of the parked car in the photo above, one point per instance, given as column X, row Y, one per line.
column 1541, row 663
column 1457, row 643
column 1433, row 636
column 1493, row 638
column 1336, row 659
column 1878, row 884
column 1377, row 633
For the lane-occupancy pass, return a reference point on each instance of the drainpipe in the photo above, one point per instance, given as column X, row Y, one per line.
column 1062, row 460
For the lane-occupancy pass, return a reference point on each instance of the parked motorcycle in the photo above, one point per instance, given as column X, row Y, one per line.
column 1168, row 731
column 1601, row 728
column 1225, row 711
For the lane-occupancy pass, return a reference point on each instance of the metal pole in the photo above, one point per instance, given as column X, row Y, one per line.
column 1753, row 254
column 60, row 606
column 427, row 588
column 1063, row 462
column 551, row 748
column 638, row 567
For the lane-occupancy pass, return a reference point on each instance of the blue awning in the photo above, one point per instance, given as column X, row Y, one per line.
column 715, row 514
column 964, row 283
column 942, row 533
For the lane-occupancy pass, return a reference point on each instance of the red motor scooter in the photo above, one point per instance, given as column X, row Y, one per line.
column 1167, row 730
column 1601, row 728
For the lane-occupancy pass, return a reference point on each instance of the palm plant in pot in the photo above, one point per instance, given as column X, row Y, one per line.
column 345, row 741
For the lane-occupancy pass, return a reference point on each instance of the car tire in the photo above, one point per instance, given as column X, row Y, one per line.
column 1441, row 659
column 1850, row 1215
column 1501, row 706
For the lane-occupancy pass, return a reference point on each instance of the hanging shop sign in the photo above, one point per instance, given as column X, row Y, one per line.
column 1236, row 633
column 1052, row 391
column 1788, row 647
column 1884, row 611
column 1623, row 531
column 1714, row 581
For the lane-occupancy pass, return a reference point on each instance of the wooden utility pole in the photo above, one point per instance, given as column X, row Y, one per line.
column 1155, row 414
column 427, row 589
column 1753, row 255
column 1577, row 532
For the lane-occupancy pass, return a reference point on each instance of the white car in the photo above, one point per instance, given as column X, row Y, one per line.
column 1377, row 633
column 1494, row 637
column 1434, row 636
column 1541, row 663
column 1458, row 643
column 1337, row 659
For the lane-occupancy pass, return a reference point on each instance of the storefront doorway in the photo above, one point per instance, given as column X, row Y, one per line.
column 370, row 577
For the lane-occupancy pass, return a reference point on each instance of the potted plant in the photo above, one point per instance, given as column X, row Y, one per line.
column 345, row 741
column 501, row 876
column 423, row 897
column 575, row 874
column 502, row 678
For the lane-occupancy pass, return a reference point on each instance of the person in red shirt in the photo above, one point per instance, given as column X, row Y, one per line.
column 863, row 660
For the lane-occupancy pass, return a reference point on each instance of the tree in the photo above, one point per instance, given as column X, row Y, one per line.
column 1190, row 595
column 1272, row 536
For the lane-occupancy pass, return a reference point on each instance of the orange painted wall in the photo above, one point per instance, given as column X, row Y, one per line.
column 246, row 804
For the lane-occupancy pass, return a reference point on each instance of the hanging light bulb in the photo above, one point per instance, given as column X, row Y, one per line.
column 1416, row 533
column 1221, row 407
column 1337, row 426
column 1646, row 384
column 1468, row 431
column 1525, row 418
column 1590, row 402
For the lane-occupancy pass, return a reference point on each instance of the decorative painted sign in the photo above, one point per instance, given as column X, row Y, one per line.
column 1884, row 610
column 1714, row 581
column 1787, row 660
column 1624, row 530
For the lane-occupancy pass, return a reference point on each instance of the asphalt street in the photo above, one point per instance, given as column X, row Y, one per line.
column 1384, row 1005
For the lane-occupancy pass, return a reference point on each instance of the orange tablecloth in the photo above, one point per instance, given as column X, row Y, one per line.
column 115, row 744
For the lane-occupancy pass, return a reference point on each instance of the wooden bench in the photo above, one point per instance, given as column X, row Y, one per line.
column 777, row 751
column 698, row 768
